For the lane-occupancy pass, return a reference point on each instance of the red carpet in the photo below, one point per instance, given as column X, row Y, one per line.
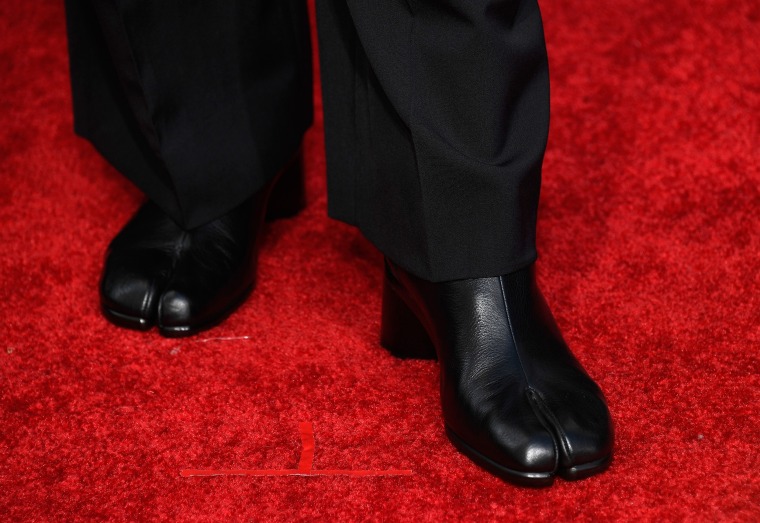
column 650, row 257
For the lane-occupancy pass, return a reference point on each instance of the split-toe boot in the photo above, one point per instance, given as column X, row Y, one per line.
column 186, row 281
column 514, row 398
column 138, row 264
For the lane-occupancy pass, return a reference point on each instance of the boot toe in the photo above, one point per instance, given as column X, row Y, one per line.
column 583, row 429
column 586, row 447
column 175, row 313
column 129, row 294
column 525, row 459
column 539, row 454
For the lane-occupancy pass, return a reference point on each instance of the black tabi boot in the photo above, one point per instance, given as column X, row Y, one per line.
column 514, row 398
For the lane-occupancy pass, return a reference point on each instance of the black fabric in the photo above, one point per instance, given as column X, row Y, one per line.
column 436, row 117
column 198, row 103
column 436, row 114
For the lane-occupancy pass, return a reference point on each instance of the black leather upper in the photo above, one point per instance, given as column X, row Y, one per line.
column 510, row 387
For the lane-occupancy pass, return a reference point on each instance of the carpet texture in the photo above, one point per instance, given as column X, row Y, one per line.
column 650, row 258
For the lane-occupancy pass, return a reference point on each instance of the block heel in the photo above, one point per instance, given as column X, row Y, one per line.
column 401, row 332
column 288, row 196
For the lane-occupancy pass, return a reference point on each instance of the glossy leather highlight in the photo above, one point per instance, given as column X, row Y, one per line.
column 514, row 398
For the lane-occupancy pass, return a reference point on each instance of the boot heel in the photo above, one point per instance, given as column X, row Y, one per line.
column 288, row 196
column 401, row 332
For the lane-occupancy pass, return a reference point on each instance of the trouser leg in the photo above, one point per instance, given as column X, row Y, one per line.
column 436, row 117
column 197, row 103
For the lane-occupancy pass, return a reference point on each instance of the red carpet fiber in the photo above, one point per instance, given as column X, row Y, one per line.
column 650, row 257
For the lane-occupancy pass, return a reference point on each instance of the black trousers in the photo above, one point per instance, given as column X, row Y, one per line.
column 197, row 102
column 436, row 114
